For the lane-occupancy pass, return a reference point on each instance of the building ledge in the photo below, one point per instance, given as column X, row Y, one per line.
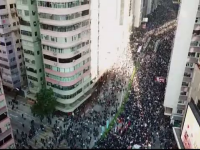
column 77, row 103
column 168, row 111
column 177, row 135
column 177, row 117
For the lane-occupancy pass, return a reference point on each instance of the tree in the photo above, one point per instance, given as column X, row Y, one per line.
column 45, row 104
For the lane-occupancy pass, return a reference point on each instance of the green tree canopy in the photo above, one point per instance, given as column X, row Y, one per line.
column 45, row 104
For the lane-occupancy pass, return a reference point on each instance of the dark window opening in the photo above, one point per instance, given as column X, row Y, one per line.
column 2, row 6
column 2, row 43
column 11, row 5
column 50, row 58
column 85, row 12
column 10, row 51
column 69, row 60
column 7, row 138
column 3, row 116
column 8, row 43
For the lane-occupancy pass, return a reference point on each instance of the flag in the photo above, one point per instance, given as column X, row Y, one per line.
column 160, row 79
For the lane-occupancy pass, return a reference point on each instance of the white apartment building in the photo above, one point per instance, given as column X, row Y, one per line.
column 11, row 56
column 185, row 54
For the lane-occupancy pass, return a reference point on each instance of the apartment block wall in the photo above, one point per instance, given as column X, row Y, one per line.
column 11, row 62
column 6, row 135
column 31, row 42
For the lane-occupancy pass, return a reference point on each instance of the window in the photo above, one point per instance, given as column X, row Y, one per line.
column 20, row 64
column 27, row 33
column 26, row 12
column 7, row 138
column 179, row 111
column 19, row 11
column 50, row 58
column 35, row 33
column 19, row 56
column 69, row 60
column 38, row 52
column 10, row 51
column 40, row 70
column 8, row 43
column 11, row 5
column 7, row 126
column 3, row 116
column 2, row 6
column 2, row 43
column 14, row 24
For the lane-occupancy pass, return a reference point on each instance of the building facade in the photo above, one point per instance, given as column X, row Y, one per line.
column 188, row 134
column 65, row 35
column 185, row 54
column 11, row 56
column 31, row 43
column 6, row 135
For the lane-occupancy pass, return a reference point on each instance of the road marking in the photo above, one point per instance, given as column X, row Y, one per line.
column 13, row 115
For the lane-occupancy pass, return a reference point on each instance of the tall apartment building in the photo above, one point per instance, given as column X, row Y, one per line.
column 31, row 43
column 11, row 56
column 186, row 51
column 6, row 135
column 65, row 35
column 188, row 135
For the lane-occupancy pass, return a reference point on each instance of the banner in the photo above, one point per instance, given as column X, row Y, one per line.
column 107, row 123
column 160, row 79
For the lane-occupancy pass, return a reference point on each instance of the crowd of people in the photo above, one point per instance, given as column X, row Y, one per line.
column 142, row 123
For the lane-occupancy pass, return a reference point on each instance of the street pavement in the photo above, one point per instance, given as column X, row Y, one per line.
column 23, row 108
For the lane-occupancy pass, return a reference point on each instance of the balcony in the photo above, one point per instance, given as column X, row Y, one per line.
column 195, row 47
column 4, row 21
column 64, row 34
column 78, row 102
column 168, row 111
column 7, row 144
column 177, row 117
column 27, row 38
column 69, row 92
column 181, row 105
column 5, row 30
column 66, row 55
column 64, row 22
column 177, row 134
column 187, row 79
column 4, row 11
column 3, row 123
column 63, row 11
column 183, row 97
column 70, row 44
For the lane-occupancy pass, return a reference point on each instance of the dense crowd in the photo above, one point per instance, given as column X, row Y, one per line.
column 142, row 123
